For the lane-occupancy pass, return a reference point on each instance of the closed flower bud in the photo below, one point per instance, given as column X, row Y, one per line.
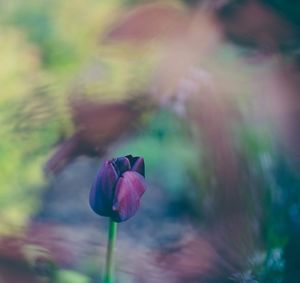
column 118, row 188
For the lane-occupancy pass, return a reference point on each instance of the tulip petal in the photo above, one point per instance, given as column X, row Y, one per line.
column 122, row 164
column 129, row 189
column 103, row 189
column 139, row 165
column 130, row 158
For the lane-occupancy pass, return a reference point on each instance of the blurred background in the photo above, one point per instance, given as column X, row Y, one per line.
column 208, row 92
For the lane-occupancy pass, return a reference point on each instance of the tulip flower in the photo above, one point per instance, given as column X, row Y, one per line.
column 116, row 193
column 118, row 188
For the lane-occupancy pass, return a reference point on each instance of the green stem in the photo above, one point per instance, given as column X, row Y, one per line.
column 109, row 269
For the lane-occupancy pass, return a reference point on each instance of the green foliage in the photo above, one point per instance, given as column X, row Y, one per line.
column 172, row 156
column 268, row 267
column 70, row 276
column 46, row 58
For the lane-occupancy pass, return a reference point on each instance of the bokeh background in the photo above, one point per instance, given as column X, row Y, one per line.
column 206, row 91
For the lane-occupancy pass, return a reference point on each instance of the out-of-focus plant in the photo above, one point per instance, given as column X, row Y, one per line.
column 71, row 276
column 268, row 266
column 46, row 60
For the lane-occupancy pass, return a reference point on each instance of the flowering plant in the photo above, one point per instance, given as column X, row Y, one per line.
column 116, row 193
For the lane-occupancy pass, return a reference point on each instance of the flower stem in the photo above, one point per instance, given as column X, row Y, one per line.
column 109, row 269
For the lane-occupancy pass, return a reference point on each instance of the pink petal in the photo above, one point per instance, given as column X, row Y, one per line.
column 139, row 166
column 130, row 188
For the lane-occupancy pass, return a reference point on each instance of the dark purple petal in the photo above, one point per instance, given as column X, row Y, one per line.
column 102, row 192
column 130, row 158
column 130, row 187
column 122, row 164
column 139, row 165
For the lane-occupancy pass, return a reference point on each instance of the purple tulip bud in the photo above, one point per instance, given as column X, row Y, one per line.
column 119, row 185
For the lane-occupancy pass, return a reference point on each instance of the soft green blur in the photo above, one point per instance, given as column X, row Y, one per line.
column 47, row 58
column 54, row 52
